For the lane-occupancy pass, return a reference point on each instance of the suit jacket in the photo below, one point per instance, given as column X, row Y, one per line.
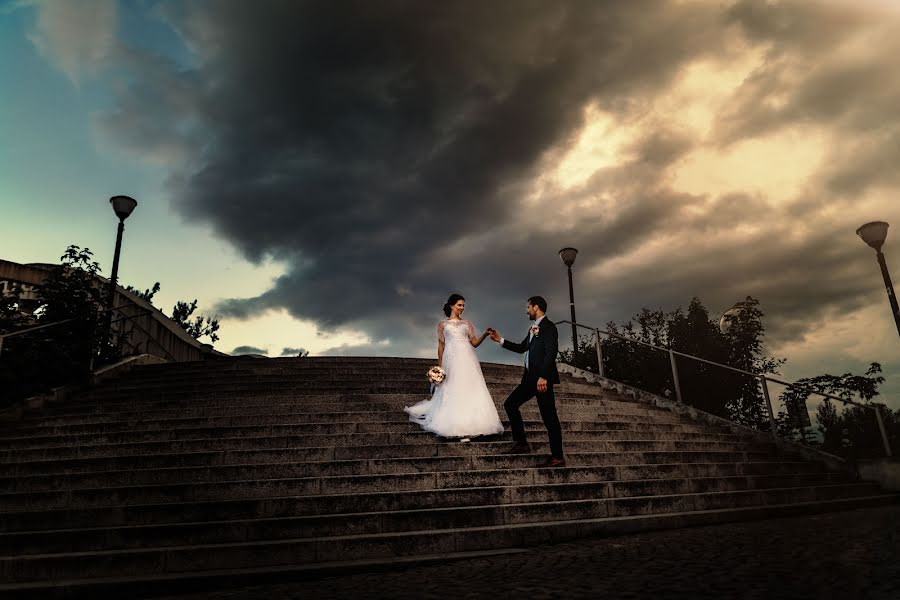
column 542, row 352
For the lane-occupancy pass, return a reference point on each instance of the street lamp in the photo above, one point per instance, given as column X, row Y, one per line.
column 568, row 257
column 874, row 235
column 725, row 321
column 123, row 206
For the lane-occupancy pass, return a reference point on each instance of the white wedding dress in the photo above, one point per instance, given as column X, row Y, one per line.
column 461, row 406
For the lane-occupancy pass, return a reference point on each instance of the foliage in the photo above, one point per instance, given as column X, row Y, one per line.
column 34, row 362
column 11, row 317
column 73, row 296
column 146, row 294
column 200, row 326
column 707, row 387
column 852, row 432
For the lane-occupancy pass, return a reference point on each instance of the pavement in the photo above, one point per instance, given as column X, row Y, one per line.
column 843, row 555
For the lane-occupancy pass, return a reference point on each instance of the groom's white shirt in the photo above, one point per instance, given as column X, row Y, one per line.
column 530, row 336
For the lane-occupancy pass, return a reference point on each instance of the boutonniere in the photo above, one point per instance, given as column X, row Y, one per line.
column 535, row 329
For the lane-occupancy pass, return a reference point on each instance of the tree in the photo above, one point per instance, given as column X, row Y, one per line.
column 11, row 317
column 34, row 362
column 852, row 432
column 744, row 339
column 146, row 294
column 200, row 326
column 707, row 387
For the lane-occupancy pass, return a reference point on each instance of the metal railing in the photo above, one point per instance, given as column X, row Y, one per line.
column 31, row 381
column 29, row 330
column 3, row 336
column 762, row 378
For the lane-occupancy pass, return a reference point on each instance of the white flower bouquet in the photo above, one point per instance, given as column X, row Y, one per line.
column 436, row 375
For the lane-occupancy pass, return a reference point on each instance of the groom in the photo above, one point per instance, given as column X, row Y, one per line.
column 540, row 347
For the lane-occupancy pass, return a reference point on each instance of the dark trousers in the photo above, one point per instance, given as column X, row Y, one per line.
column 547, row 405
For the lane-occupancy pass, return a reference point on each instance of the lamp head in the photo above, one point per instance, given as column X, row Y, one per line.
column 873, row 234
column 568, row 256
column 733, row 313
column 123, row 205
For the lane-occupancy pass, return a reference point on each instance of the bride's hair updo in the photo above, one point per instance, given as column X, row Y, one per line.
column 453, row 299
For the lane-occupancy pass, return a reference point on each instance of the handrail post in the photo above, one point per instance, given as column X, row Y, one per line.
column 599, row 354
column 675, row 377
column 765, row 389
column 884, row 438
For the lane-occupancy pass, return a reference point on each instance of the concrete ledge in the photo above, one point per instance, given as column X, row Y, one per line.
column 832, row 462
column 123, row 366
column 885, row 471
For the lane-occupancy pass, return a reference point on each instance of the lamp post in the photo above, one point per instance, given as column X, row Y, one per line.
column 123, row 206
column 874, row 235
column 568, row 257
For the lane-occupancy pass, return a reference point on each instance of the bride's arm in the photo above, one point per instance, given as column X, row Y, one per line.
column 476, row 341
column 440, row 336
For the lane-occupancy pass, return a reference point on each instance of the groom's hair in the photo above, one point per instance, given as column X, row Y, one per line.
column 539, row 302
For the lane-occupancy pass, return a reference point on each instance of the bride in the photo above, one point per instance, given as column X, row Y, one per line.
column 461, row 405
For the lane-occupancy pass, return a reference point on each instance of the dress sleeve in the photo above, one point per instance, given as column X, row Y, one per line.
column 471, row 329
column 441, row 330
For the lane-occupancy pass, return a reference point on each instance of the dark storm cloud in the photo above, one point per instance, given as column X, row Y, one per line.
column 292, row 351
column 353, row 139
column 383, row 152
column 248, row 350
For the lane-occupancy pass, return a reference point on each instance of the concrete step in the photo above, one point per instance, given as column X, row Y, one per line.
column 274, row 528
column 397, row 423
column 257, row 466
column 44, row 518
column 60, row 480
column 144, row 561
column 519, row 535
column 304, row 402
column 575, row 429
column 349, row 380
column 419, row 443
column 299, row 395
column 323, row 413
column 111, row 495
column 316, row 365
column 299, row 379
column 303, row 455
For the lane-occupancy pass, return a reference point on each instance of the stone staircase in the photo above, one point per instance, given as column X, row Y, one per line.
column 201, row 475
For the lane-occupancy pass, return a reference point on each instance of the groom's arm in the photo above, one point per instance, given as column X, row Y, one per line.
column 514, row 347
column 551, row 349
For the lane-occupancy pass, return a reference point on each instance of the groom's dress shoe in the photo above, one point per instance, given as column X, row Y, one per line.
column 554, row 462
column 519, row 448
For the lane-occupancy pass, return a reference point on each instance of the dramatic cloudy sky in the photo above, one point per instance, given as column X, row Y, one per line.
column 323, row 174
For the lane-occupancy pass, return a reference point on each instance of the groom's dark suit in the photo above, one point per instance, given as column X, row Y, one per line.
column 542, row 350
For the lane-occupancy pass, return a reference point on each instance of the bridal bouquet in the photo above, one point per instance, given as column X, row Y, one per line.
column 436, row 375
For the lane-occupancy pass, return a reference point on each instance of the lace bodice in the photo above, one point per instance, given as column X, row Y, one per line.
column 457, row 328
